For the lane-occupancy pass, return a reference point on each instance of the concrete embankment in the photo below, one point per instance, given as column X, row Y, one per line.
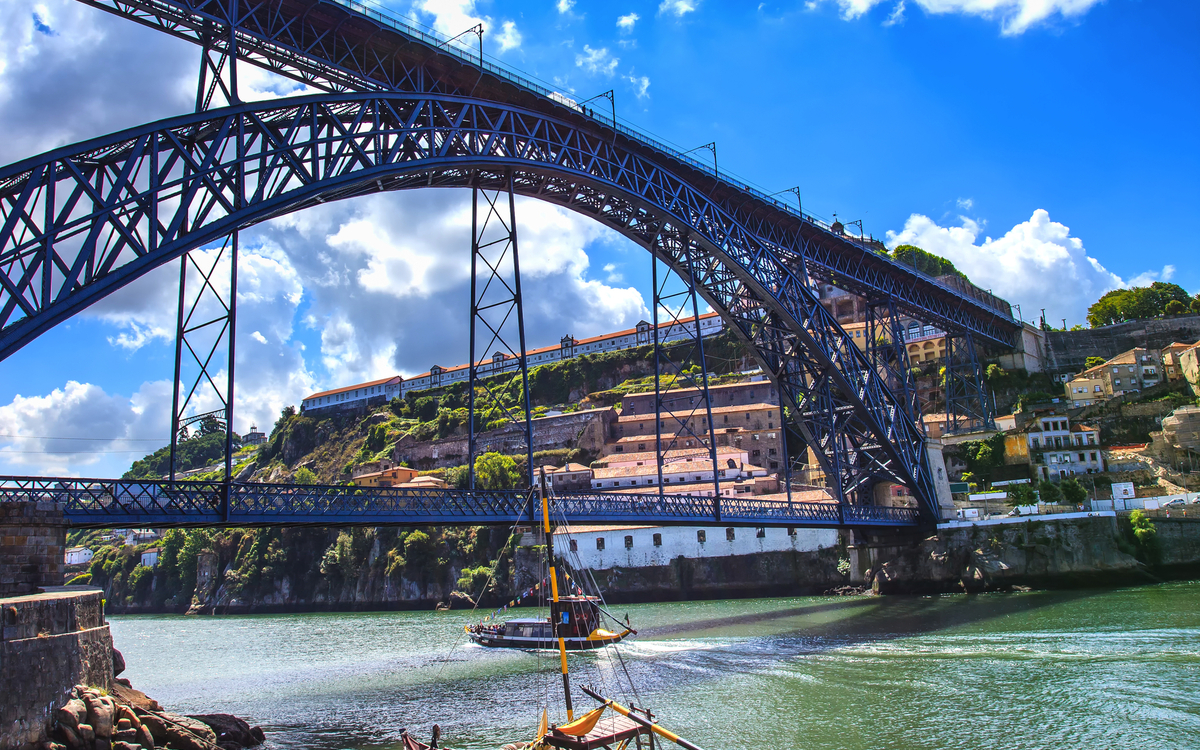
column 1097, row 550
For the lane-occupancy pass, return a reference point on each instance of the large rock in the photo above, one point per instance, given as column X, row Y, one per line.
column 118, row 663
column 100, row 714
column 181, row 732
column 229, row 729
column 72, row 714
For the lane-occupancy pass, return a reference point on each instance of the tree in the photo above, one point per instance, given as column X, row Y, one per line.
column 1020, row 494
column 1051, row 494
column 1073, row 492
column 420, row 554
column 304, row 475
column 1175, row 307
column 1093, row 361
column 496, row 471
column 1195, row 306
column 925, row 262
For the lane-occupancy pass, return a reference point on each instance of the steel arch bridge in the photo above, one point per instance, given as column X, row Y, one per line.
column 84, row 220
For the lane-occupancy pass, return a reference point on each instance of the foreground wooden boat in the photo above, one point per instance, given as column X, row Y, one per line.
column 610, row 726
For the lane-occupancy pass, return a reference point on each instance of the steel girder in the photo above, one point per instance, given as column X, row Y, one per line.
column 340, row 45
column 109, row 503
column 79, row 222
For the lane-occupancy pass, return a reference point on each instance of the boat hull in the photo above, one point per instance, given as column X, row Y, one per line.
column 534, row 643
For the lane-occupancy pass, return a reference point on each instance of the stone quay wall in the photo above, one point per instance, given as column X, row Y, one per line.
column 52, row 641
column 33, row 540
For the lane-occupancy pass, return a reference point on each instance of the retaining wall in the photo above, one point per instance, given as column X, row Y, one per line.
column 33, row 540
column 52, row 641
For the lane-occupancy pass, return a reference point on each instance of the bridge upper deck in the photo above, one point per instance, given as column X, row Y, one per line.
column 341, row 45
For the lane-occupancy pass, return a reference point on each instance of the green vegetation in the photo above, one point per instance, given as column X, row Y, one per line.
column 1073, row 492
column 925, row 262
column 1021, row 494
column 1138, row 303
column 496, row 471
column 1093, row 361
column 1140, row 537
column 189, row 454
column 1050, row 493
column 982, row 457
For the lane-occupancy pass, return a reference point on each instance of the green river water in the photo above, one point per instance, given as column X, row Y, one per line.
column 1083, row 669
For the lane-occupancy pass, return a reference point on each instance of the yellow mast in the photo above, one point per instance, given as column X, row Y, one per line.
column 562, row 644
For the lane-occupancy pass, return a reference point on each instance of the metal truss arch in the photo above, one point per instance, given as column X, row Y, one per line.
column 80, row 222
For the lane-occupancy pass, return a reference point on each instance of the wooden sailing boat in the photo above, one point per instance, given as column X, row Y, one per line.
column 610, row 725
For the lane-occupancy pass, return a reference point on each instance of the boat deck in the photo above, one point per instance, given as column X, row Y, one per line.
column 610, row 730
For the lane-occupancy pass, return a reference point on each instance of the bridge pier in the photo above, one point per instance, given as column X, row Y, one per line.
column 33, row 541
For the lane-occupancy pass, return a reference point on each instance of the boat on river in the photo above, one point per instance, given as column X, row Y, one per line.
column 576, row 619
column 579, row 627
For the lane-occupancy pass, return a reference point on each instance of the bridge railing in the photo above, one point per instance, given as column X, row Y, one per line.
column 117, row 501
column 502, row 71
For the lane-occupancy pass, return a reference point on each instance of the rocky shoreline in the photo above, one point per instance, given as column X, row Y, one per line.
column 124, row 718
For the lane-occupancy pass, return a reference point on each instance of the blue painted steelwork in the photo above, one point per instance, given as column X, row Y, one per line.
column 340, row 46
column 82, row 221
column 109, row 503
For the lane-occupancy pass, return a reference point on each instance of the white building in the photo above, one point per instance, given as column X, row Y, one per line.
column 1059, row 449
column 79, row 556
column 150, row 557
column 603, row 547
column 569, row 347
column 364, row 394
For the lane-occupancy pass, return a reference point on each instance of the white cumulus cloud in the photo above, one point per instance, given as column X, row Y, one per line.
column 1035, row 264
column 1015, row 16
column 625, row 23
column 597, row 61
column 677, row 8
column 453, row 17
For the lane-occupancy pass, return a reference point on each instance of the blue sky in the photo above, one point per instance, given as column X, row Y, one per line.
column 1046, row 146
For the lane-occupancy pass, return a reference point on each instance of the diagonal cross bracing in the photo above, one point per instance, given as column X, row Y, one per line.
column 341, row 45
column 205, row 175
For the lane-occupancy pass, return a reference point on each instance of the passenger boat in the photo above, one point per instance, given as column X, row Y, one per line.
column 579, row 628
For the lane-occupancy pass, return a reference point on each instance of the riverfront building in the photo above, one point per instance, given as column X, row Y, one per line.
column 376, row 392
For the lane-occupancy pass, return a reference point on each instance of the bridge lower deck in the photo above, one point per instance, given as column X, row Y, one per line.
column 107, row 503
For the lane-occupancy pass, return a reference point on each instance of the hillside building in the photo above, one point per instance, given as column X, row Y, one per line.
column 1053, row 447
column 378, row 392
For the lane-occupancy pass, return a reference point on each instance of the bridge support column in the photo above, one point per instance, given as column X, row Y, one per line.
column 676, row 318
column 33, row 541
column 968, row 405
column 497, row 341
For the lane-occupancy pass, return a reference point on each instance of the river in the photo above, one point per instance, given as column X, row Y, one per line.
column 1116, row 668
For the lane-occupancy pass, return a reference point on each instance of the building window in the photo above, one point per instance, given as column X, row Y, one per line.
column 791, row 531
column 1093, row 456
column 658, row 540
column 628, row 542
column 762, row 533
column 600, row 542
column 729, row 534
column 574, row 545
column 700, row 536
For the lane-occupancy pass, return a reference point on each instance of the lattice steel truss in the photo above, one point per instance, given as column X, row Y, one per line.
column 342, row 45
column 676, row 320
column 82, row 221
column 886, row 350
column 207, row 324
column 497, row 313
column 968, row 407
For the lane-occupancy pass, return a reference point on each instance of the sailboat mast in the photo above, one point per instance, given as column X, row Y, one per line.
column 562, row 644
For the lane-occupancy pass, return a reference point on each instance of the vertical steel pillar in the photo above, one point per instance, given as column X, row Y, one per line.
column 967, row 403
column 887, row 351
column 193, row 324
column 495, row 298
column 679, row 301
